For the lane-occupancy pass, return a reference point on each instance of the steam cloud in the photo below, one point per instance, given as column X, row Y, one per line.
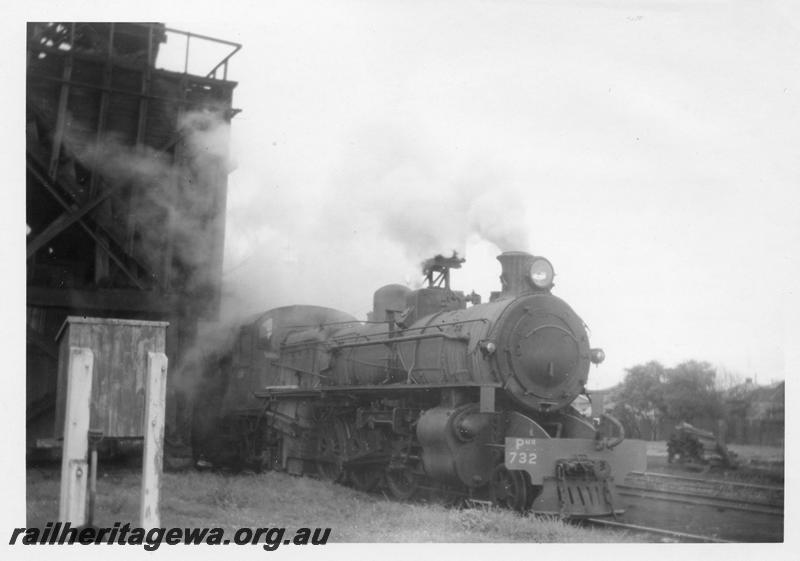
column 389, row 204
column 178, row 200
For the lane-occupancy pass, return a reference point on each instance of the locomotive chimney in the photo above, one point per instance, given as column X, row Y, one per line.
column 515, row 278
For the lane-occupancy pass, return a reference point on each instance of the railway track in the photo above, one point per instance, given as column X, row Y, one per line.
column 715, row 493
column 719, row 503
column 671, row 508
column 662, row 533
column 690, row 509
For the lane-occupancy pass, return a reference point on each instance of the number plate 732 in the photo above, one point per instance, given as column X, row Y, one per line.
column 520, row 458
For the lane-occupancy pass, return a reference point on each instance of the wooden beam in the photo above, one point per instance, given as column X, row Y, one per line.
column 141, row 135
column 152, row 463
column 67, row 219
column 74, row 464
column 50, row 188
column 106, row 299
column 46, row 345
column 103, row 214
column 182, row 101
column 225, row 88
column 61, row 116
column 90, row 56
column 177, row 156
column 45, row 404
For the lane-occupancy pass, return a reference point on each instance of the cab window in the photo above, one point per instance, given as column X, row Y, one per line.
column 244, row 349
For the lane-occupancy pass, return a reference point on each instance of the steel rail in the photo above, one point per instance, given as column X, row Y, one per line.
column 729, row 503
column 650, row 474
column 684, row 536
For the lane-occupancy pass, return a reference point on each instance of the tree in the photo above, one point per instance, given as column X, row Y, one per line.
column 642, row 388
column 651, row 393
column 641, row 396
column 727, row 379
column 689, row 392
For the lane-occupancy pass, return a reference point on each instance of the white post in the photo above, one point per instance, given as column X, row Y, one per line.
column 155, row 401
column 74, row 465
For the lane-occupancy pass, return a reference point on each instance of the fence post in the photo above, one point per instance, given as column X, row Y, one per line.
column 155, row 400
column 74, row 464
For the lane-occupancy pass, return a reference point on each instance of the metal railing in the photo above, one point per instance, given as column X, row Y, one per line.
column 99, row 38
column 223, row 64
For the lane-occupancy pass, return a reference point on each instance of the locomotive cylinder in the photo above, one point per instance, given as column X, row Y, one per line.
column 454, row 444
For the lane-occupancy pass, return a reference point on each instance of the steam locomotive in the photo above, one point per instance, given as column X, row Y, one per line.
column 428, row 394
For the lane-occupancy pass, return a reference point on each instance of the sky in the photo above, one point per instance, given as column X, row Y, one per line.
column 648, row 149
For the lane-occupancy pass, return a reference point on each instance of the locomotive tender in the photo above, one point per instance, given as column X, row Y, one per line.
column 429, row 393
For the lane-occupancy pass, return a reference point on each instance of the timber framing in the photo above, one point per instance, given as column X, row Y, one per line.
column 100, row 300
column 125, row 218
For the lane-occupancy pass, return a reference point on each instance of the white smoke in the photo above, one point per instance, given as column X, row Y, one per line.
column 177, row 200
column 207, row 138
column 391, row 203
column 427, row 205
column 161, row 198
column 500, row 217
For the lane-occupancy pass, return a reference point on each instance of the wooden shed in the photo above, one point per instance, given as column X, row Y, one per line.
column 120, row 350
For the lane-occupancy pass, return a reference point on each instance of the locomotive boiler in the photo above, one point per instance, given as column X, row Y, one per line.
column 436, row 391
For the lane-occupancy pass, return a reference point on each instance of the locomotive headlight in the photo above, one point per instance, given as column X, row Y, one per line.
column 542, row 273
column 597, row 356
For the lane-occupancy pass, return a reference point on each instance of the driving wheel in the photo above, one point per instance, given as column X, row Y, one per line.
column 509, row 489
column 401, row 482
column 330, row 449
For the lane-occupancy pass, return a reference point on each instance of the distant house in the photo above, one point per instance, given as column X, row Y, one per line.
column 756, row 414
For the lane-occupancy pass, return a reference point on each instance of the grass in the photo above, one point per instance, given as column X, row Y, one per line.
column 204, row 499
